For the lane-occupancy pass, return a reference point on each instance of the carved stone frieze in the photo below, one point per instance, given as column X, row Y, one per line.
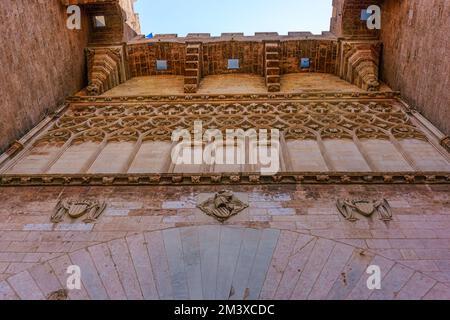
column 337, row 119
column 222, row 206
column 75, row 209
column 350, row 208
column 225, row 179
column 238, row 97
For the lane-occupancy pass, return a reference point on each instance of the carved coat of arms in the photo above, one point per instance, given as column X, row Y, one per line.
column 222, row 206
column 366, row 208
column 75, row 209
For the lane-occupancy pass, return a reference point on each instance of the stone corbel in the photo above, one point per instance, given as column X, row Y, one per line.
column 359, row 63
column 106, row 69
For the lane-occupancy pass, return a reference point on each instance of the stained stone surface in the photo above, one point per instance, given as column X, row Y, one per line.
column 291, row 243
column 152, row 242
column 220, row 262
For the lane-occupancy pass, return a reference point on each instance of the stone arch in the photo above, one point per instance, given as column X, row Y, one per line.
column 222, row 262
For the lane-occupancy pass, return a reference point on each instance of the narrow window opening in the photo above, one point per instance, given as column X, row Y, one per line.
column 305, row 63
column 233, row 64
column 100, row 21
column 161, row 65
column 365, row 15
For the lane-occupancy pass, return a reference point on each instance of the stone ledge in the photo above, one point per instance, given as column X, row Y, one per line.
column 241, row 97
column 345, row 178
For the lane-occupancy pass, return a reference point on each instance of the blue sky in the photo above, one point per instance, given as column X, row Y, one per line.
column 248, row 16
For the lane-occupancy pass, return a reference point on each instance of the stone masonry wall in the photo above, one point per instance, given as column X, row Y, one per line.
column 214, row 58
column 41, row 62
column 216, row 55
column 142, row 58
column 322, row 55
column 317, row 254
column 415, row 35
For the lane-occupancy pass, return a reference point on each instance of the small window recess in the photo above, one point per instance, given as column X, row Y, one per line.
column 161, row 65
column 233, row 64
column 305, row 63
column 100, row 22
column 365, row 15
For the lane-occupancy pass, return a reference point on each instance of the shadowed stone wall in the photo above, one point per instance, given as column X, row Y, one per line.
column 416, row 55
column 41, row 62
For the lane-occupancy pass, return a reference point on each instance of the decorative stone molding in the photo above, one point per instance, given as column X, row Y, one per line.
column 366, row 208
column 106, row 69
column 338, row 119
column 446, row 143
column 75, row 209
column 222, row 206
column 225, row 179
column 15, row 148
column 238, row 97
column 359, row 64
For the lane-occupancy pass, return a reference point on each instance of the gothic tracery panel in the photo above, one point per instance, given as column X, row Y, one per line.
column 135, row 136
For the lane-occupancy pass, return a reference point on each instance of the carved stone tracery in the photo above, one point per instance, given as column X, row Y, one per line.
column 299, row 120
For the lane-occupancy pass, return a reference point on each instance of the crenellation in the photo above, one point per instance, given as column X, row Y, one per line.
column 357, row 178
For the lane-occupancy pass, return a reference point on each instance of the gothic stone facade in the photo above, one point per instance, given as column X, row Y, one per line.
column 363, row 180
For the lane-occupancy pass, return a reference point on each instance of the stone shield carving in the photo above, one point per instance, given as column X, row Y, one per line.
column 222, row 206
column 90, row 209
column 350, row 208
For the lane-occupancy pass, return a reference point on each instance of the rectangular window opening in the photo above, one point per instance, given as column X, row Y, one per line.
column 161, row 65
column 305, row 63
column 365, row 15
column 100, row 21
column 233, row 64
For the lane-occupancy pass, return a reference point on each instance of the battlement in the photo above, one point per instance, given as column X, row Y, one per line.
column 236, row 36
